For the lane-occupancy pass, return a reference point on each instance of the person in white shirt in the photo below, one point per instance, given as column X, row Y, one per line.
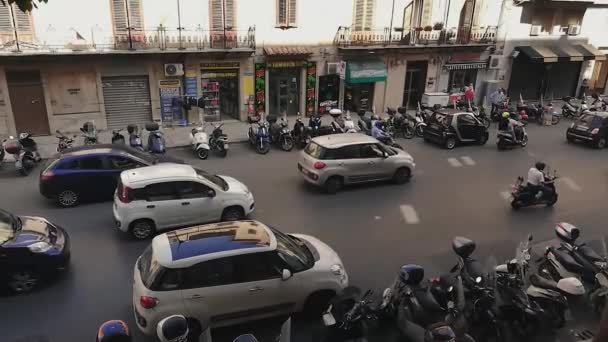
column 536, row 180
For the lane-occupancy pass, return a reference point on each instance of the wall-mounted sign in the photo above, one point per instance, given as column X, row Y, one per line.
column 286, row 64
column 220, row 65
column 311, row 83
column 170, row 92
column 190, row 83
column 329, row 92
column 228, row 74
column 260, row 88
column 74, row 91
column 342, row 69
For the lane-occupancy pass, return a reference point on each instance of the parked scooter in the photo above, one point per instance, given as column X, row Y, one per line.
column 523, row 196
column 365, row 122
column 280, row 134
column 301, row 133
column 572, row 110
column 349, row 124
column 156, row 139
column 89, row 133
column 64, row 142
column 506, row 140
column 200, row 141
column 599, row 103
column 259, row 137
column 24, row 151
column 399, row 122
column 117, row 137
column 134, row 137
column 218, row 141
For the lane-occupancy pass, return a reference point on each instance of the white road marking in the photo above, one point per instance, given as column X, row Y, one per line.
column 570, row 183
column 531, row 154
column 468, row 160
column 454, row 162
column 506, row 195
column 377, row 217
column 409, row 214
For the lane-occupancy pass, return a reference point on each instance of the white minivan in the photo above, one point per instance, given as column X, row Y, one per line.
column 165, row 196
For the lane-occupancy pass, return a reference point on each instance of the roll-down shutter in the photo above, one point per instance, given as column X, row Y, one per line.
column 127, row 100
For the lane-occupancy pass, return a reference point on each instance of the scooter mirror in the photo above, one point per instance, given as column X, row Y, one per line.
column 529, row 237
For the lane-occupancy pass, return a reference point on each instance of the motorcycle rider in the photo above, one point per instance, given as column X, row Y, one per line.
column 177, row 328
column 378, row 131
column 507, row 125
column 497, row 98
column 113, row 331
column 536, row 180
column 337, row 123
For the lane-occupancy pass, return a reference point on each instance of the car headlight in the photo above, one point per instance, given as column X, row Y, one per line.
column 39, row 247
column 337, row 270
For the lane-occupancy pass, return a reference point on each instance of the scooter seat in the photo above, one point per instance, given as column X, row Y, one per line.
column 589, row 254
column 568, row 261
column 427, row 300
column 544, row 283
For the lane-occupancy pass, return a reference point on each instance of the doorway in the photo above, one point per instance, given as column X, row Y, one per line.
column 27, row 100
column 415, row 79
column 284, row 91
column 359, row 97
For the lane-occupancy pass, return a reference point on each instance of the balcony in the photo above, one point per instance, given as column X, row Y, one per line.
column 160, row 39
column 416, row 37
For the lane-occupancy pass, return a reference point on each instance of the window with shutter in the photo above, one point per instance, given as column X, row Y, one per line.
column 281, row 13
column 23, row 20
column 6, row 24
column 216, row 10
column 291, row 10
column 286, row 13
column 363, row 15
column 119, row 15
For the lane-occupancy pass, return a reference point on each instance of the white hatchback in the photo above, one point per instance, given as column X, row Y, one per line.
column 165, row 196
column 232, row 272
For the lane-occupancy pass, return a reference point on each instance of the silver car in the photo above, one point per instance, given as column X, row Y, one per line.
column 331, row 161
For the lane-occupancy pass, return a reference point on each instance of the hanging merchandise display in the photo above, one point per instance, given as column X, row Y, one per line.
column 260, row 88
column 311, row 83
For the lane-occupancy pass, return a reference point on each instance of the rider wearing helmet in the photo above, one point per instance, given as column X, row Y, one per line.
column 439, row 332
column 337, row 124
column 506, row 124
column 536, row 180
column 378, row 130
column 113, row 331
column 177, row 328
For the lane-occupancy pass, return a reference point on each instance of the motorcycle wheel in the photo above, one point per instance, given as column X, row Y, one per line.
column 27, row 164
column 557, row 315
column 408, row 132
column 598, row 302
column 524, row 141
column 419, row 131
column 222, row 152
column 552, row 201
column 500, row 145
column 287, row 143
column 262, row 148
column 202, row 153
column 555, row 119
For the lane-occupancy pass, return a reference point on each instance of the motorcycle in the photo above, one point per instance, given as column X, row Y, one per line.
column 64, row 142
column 349, row 125
column 24, row 151
column 505, row 139
column 479, row 112
column 578, row 260
column 389, row 140
column 599, row 103
column 365, row 122
column 571, row 110
column 523, row 196
column 348, row 317
column 218, row 141
column 200, row 142
column 301, row 134
column 259, row 136
column 280, row 134
column 400, row 123
column 118, row 138
column 316, row 127
column 156, row 139
column 89, row 133
column 134, row 137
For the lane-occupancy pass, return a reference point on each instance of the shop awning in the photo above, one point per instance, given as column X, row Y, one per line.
column 287, row 51
column 465, row 66
column 365, row 71
column 562, row 52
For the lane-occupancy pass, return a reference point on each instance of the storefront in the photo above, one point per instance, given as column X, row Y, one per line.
column 220, row 90
column 329, row 92
column 549, row 71
column 360, row 81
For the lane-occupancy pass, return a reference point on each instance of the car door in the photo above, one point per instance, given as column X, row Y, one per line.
column 467, row 127
column 117, row 164
column 198, row 202
column 164, row 204
column 211, row 291
column 93, row 180
column 374, row 163
column 347, row 163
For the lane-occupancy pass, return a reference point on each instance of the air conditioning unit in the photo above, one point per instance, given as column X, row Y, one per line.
column 535, row 30
column 332, row 68
column 574, row 30
column 174, row 69
column 494, row 62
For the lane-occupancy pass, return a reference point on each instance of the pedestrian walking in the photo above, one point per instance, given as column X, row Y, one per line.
column 584, row 89
column 469, row 94
column 497, row 98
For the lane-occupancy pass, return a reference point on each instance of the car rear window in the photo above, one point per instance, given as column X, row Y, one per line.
column 314, row 150
column 590, row 120
column 148, row 268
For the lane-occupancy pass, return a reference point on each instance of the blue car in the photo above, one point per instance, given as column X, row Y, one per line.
column 90, row 173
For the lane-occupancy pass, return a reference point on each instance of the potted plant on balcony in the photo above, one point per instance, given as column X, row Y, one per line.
column 428, row 28
column 438, row 26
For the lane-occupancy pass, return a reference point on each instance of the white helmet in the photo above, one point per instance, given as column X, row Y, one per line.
column 335, row 111
column 173, row 329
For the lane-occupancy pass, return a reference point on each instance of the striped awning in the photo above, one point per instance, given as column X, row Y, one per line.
column 465, row 66
column 562, row 52
column 287, row 51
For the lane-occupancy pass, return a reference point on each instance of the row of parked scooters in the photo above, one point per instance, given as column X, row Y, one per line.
column 480, row 303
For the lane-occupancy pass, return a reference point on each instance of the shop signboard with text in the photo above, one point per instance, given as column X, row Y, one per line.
column 170, row 106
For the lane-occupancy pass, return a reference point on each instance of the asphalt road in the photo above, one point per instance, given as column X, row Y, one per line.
column 374, row 228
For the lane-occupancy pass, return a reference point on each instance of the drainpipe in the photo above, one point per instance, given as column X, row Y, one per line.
column 15, row 29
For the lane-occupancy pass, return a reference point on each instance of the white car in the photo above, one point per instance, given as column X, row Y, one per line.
column 230, row 272
column 165, row 196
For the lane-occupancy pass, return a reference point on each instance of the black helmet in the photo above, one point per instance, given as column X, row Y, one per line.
column 173, row 329
column 113, row 331
column 539, row 166
column 439, row 332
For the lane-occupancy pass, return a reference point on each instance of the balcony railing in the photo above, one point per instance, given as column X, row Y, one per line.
column 160, row 39
column 462, row 36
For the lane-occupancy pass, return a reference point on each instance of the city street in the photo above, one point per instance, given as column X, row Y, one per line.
column 374, row 228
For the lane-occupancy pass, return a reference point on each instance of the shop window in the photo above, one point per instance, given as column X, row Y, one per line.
column 286, row 14
column 461, row 78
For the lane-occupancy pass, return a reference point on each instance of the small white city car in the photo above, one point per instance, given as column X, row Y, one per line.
column 231, row 272
column 165, row 196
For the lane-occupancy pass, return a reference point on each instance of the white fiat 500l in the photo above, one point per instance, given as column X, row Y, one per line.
column 165, row 196
column 230, row 272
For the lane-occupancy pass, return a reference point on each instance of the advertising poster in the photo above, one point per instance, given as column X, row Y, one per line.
column 329, row 92
column 311, row 83
column 169, row 96
column 190, row 84
column 260, row 88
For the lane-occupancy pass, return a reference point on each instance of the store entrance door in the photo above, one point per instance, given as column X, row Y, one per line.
column 285, row 91
column 415, row 79
column 27, row 99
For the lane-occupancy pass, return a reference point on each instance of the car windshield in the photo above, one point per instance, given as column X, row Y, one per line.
column 293, row 251
column 148, row 268
column 314, row 150
column 215, row 179
column 441, row 118
column 590, row 120
column 9, row 224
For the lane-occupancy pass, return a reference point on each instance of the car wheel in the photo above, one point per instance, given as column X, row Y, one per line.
column 482, row 140
column 333, row 185
column 202, row 153
column 142, row 229
column 317, row 303
column 450, row 143
column 601, row 143
column 233, row 214
column 402, row 175
column 67, row 198
column 22, row 281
